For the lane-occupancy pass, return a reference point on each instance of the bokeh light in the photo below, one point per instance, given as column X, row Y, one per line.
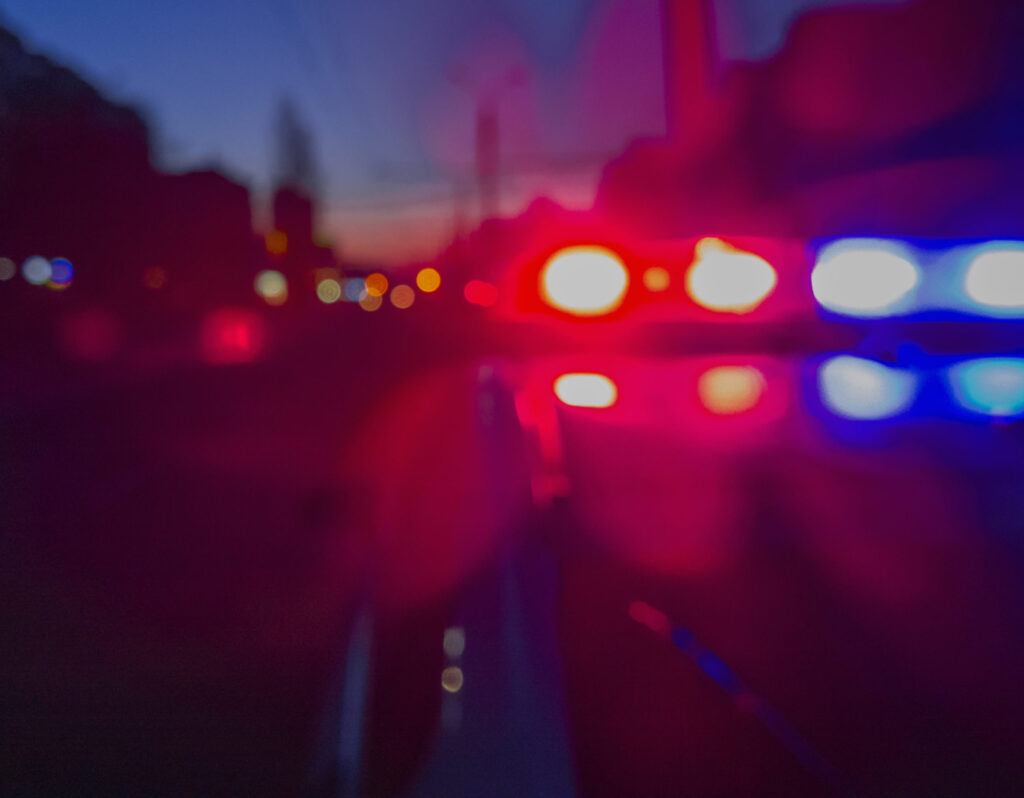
column 586, row 390
column 36, row 270
column 584, row 281
column 864, row 278
column 61, row 273
column 376, row 284
column 277, row 242
column 428, row 280
column 8, row 268
column 728, row 280
column 479, row 292
column 992, row 386
column 328, row 291
column 272, row 287
column 154, row 278
column 452, row 679
column 857, row 388
column 653, row 619
column 996, row 278
column 657, row 279
column 402, row 296
column 355, row 289
column 231, row 335
column 727, row 390
column 371, row 303
column 454, row 641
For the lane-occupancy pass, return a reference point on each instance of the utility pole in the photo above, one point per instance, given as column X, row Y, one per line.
column 487, row 138
column 691, row 69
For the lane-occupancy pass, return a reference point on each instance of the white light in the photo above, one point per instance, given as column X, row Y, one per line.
column 36, row 270
column 272, row 286
column 727, row 280
column 864, row 278
column 328, row 291
column 996, row 278
column 863, row 389
column 584, row 281
column 454, row 641
column 586, row 390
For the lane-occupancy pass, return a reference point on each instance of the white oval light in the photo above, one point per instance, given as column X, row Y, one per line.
column 727, row 280
column 863, row 278
column 996, row 278
column 584, row 281
column 857, row 388
column 586, row 390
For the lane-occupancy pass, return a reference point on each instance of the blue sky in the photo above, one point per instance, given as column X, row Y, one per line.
column 370, row 79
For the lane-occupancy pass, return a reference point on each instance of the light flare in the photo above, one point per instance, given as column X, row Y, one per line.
column 584, row 281
column 728, row 280
column 586, row 390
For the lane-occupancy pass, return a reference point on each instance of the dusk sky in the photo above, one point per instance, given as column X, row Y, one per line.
column 392, row 133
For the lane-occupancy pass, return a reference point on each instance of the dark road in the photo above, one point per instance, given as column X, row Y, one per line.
column 185, row 555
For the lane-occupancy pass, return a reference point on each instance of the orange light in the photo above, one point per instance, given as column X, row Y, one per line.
column 402, row 296
column 586, row 390
column 584, row 281
column 277, row 242
column 727, row 390
column 728, row 280
column 376, row 284
column 452, row 679
column 657, row 279
column 428, row 280
column 371, row 303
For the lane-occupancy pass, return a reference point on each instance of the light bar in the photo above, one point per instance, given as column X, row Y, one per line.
column 990, row 386
column 586, row 390
column 584, row 281
column 727, row 390
column 857, row 388
column 865, row 277
column 995, row 278
column 727, row 280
